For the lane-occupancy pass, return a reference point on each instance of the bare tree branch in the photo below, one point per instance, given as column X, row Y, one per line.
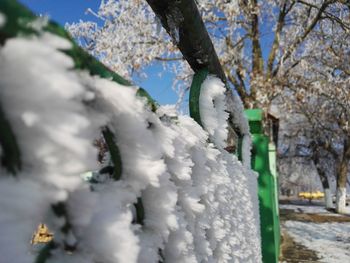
column 301, row 38
column 280, row 23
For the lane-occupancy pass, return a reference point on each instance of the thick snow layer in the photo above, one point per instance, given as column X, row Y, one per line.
column 216, row 102
column 200, row 203
column 329, row 240
column 42, row 98
column 235, row 106
column 212, row 108
column 246, row 150
column 23, row 204
column 51, row 124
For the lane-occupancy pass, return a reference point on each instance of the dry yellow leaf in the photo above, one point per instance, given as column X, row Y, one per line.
column 42, row 235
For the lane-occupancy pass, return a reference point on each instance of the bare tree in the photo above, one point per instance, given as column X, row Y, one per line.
column 324, row 102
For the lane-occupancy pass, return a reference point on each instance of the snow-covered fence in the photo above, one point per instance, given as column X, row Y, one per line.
column 183, row 22
column 172, row 197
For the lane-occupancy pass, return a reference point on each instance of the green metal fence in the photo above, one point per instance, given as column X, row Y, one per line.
column 264, row 152
column 264, row 163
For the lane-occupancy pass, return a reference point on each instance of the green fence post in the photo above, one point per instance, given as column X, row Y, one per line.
column 273, row 169
column 267, row 184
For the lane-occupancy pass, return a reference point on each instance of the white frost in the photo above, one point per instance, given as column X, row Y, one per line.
column 329, row 240
column 35, row 78
column 212, row 109
column 200, row 202
column 23, row 205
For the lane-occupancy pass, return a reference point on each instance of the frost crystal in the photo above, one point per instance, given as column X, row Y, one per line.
column 213, row 110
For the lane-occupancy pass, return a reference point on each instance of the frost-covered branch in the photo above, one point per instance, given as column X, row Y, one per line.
column 234, row 30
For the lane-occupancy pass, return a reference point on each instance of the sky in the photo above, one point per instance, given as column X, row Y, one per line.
column 69, row 11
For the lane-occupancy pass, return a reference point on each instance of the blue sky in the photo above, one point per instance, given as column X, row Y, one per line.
column 62, row 11
column 68, row 11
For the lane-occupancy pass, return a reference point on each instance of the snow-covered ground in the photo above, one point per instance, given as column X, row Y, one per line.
column 330, row 240
column 316, row 207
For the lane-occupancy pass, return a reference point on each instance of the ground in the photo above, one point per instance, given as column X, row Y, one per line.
column 310, row 233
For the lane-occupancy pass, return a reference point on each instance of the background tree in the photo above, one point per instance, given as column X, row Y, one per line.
column 314, row 141
column 321, row 89
column 329, row 117
column 258, row 42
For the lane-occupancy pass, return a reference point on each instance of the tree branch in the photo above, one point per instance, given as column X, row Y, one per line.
column 280, row 23
column 168, row 59
column 258, row 65
column 240, row 90
column 301, row 38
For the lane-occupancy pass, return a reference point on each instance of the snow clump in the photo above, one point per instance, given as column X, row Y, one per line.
column 212, row 108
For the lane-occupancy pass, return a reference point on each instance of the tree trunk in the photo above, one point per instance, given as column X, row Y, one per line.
column 323, row 178
column 326, row 188
column 342, row 173
column 328, row 198
column 341, row 186
column 183, row 22
column 341, row 200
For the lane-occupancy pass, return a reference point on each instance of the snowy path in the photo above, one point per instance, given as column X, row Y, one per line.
column 318, row 230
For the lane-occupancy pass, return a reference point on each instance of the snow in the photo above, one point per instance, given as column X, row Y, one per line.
column 329, row 240
column 49, row 120
column 214, row 104
column 246, row 150
column 167, row 110
column 38, row 23
column 200, row 202
column 23, row 205
column 53, row 131
column 212, row 108
column 235, row 107
column 102, row 218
